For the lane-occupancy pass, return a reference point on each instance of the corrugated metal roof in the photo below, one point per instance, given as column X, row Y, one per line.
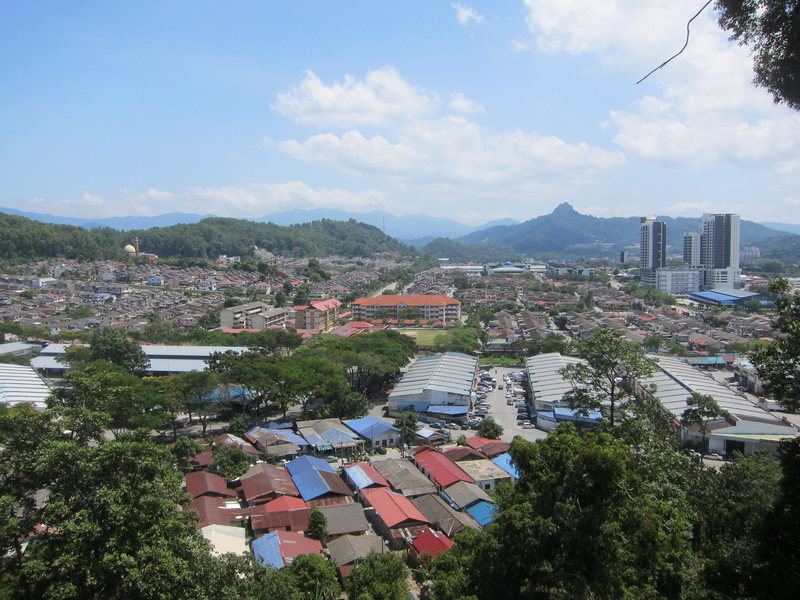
column 482, row 512
column 312, row 484
column 449, row 372
column 370, row 427
column 19, row 384
column 394, row 509
column 364, row 475
column 267, row 550
column 504, row 462
column 676, row 380
column 443, row 470
column 305, row 463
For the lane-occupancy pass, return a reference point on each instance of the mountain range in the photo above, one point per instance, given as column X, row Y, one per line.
column 568, row 232
column 562, row 233
column 411, row 229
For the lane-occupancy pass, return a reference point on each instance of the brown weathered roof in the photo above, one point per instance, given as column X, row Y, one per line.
column 264, row 480
column 203, row 483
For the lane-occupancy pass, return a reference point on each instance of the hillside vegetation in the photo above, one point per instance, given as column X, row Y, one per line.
column 25, row 239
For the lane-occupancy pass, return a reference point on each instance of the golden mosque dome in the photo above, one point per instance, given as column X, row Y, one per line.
column 129, row 249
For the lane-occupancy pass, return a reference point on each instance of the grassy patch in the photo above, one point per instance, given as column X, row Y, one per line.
column 424, row 337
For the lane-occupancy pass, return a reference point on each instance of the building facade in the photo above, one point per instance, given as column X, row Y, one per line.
column 253, row 315
column 678, row 281
column 715, row 250
column 432, row 308
column 653, row 245
column 318, row 314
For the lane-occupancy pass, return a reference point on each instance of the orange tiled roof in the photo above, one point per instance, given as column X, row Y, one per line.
column 407, row 299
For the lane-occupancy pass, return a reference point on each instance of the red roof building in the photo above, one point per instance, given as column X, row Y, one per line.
column 286, row 513
column 203, row 483
column 213, row 511
column 440, row 469
column 431, row 543
column 435, row 307
column 319, row 314
column 398, row 520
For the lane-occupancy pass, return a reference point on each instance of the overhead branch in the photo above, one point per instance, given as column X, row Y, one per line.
column 685, row 44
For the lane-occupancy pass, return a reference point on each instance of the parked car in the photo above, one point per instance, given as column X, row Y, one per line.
column 528, row 426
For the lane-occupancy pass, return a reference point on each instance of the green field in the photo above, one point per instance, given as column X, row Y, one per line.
column 424, row 337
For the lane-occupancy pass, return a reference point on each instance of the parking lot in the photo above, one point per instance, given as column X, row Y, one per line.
column 506, row 415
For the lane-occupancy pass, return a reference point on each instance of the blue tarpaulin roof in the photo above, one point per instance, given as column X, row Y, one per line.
column 370, row 427
column 482, row 512
column 267, row 550
column 448, row 410
column 239, row 395
column 305, row 463
column 504, row 462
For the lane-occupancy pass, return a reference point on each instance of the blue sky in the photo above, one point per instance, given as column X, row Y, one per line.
column 473, row 110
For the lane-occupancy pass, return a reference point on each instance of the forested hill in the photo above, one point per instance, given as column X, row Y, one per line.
column 214, row 236
column 25, row 239
column 566, row 231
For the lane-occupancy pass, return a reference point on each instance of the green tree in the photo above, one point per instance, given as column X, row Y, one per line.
column 185, row 448
column 702, row 408
column 777, row 364
column 490, row 429
column 113, row 527
column 652, row 342
column 465, row 340
column 349, row 405
column 580, row 522
column 317, row 525
column 230, row 461
column 407, row 424
column 770, row 29
column 25, row 434
column 113, row 346
column 379, row 577
column 610, row 366
column 315, row 577
column 778, row 545
column 734, row 507
column 238, row 425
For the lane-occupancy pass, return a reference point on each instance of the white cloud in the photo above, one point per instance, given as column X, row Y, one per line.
column 244, row 201
column 519, row 46
column 259, row 199
column 456, row 150
column 381, row 98
column 701, row 108
column 462, row 104
column 88, row 199
column 687, row 208
column 466, row 15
